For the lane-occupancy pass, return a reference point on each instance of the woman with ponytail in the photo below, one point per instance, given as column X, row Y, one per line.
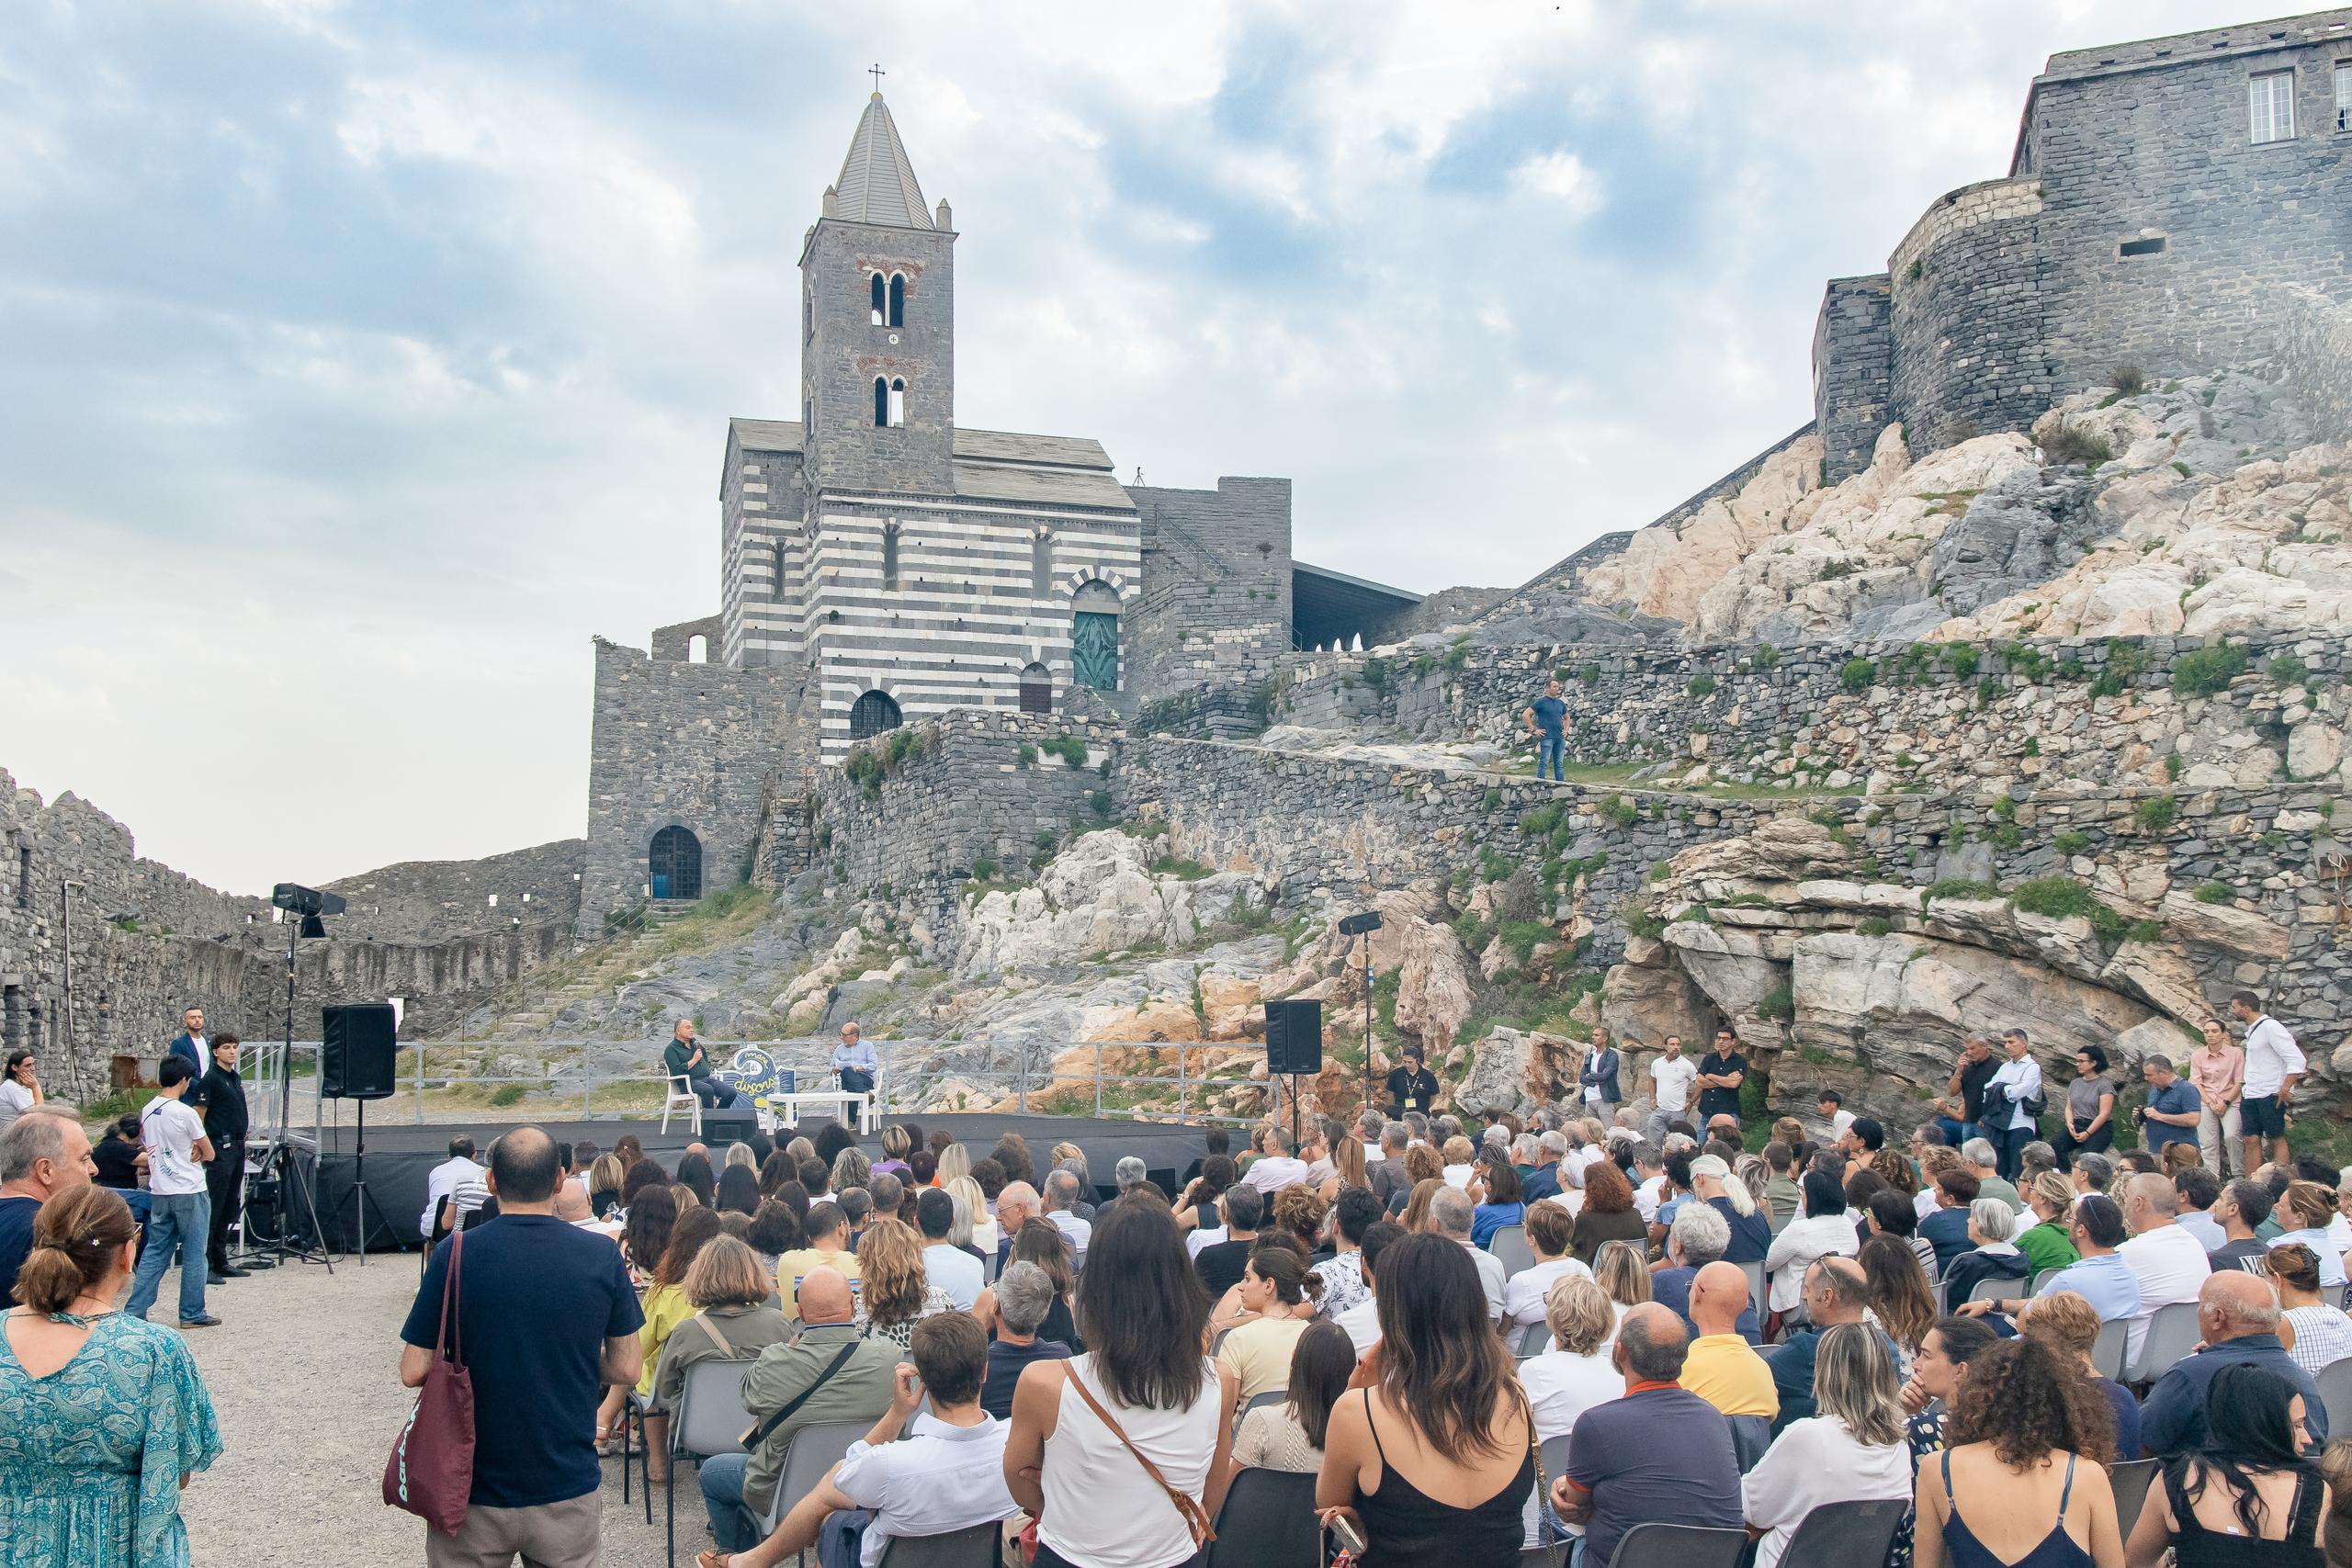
column 102, row 1416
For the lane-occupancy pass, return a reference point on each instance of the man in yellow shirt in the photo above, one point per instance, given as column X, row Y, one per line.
column 1722, row 1368
column 828, row 1232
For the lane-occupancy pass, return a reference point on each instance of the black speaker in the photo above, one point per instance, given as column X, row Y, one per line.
column 1293, row 1037
column 360, row 1041
column 724, row 1125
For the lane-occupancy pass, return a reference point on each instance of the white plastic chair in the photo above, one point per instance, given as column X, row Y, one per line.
column 681, row 1097
column 2172, row 1334
column 1510, row 1245
column 709, row 1420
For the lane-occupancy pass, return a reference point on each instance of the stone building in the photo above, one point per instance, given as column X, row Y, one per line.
column 880, row 562
column 2160, row 195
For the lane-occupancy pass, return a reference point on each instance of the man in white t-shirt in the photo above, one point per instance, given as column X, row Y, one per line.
column 2274, row 1066
column 2169, row 1263
column 460, row 1180
column 1275, row 1168
column 180, row 1216
column 1671, row 1076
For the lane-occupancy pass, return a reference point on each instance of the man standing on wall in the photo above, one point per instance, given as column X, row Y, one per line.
column 222, row 1098
column 1719, row 1075
column 1547, row 720
column 2274, row 1065
column 683, row 1057
column 1671, row 1077
column 855, row 1061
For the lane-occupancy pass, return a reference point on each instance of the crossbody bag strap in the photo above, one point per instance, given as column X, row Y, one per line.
column 1542, row 1482
column 758, row 1434
column 717, row 1337
column 1195, row 1517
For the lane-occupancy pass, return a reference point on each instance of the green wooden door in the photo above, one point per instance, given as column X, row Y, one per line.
column 1094, row 649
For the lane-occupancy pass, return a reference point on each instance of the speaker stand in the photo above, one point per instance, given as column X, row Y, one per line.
column 363, row 1201
column 1294, row 1111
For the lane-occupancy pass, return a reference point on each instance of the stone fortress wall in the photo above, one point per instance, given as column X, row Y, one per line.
column 1217, row 585
column 2139, row 224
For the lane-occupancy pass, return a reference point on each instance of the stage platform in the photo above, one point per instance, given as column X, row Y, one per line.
column 400, row 1156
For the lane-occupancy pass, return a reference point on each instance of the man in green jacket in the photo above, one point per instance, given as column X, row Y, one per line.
column 738, row 1488
column 683, row 1057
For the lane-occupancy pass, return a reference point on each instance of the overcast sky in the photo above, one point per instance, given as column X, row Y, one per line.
column 360, row 362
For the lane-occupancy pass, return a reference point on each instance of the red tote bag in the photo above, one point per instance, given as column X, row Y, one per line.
column 431, row 1472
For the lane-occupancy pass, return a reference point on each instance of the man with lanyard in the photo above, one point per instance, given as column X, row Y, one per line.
column 1411, row 1086
column 1547, row 720
column 2274, row 1066
column 1959, row 1110
column 683, row 1057
column 1720, row 1072
column 2013, row 1086
column 855, row 1061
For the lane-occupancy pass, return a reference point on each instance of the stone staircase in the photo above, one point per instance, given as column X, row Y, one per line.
column 526, row 1013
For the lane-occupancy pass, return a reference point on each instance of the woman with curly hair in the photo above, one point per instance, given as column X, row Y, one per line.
column 1422, row 1163
column 651, row 1214
column 1300, row 1210
column 898, row 1294
column 1608, row 1214
column 1893, row 1167
column 2023, row 1483
column 852, row 1168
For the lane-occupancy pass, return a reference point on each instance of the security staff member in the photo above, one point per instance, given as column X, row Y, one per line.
column 1411, row 1086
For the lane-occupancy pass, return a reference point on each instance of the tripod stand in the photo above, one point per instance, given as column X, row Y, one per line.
column 363, row 1201
column 292, row 1179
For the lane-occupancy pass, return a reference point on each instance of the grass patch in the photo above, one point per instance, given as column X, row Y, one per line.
column 1779, row 1004
column 2055, row 897
column 1960, row 888
column 2157, row 813
column 2202, row 671
column 2215, row 893
column 1857, row 674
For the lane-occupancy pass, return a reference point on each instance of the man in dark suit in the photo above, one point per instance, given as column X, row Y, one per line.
column 191, row 1043
column 222, row 1094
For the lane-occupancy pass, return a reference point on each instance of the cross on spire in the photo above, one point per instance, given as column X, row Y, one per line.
column 877, row 71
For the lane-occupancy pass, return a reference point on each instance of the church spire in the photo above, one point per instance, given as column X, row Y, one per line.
column 877, row 183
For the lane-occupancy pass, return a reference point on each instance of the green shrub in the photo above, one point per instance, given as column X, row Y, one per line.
column 1622, row 812
column 1026, row 757
column 1068, row 748
column 2202, row 671
column 2174, row 764
column 1764, row 657
column 2055, row 897
column 1831, row 571
column 1644, row 923
column 1961, row 888
column 2071, row 842
column 2128, row 379
column 1702, row 685
column 1100, row 802
column 2067, row 445
column 1856, row 674
column 1493, row 864
column 1048, row 841
column 2157, row 813
column 864, row 770
column 1539, row 823
column 2286, row 670
column 1172, row 865
column 1875, row 925
column 2005, row 808
column 1589, row 673
column 1376, row 673
column 2215, row 893
column 2007, row 836
column 507, row 1094
column 1779, row 1004
column 1661, row 870
column 1963, row 659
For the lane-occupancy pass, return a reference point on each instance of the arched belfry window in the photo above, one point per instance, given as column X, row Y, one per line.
column 896, row 405
column 898, row 299
column 1040, row 567
column 881, row 403
column 673, row 864
column 878, row 298
column 1036, row 689
column 871, row 713
column 777, row 593
column 890, row 556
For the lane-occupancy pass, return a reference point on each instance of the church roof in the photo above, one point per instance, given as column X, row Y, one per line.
column 995, row 465
column 878, row 183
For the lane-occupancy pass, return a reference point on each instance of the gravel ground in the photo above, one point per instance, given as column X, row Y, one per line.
column 305, row 1375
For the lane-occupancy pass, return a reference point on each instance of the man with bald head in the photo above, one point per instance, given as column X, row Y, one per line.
column 2239, row 1315
column 1015, row 1206
column 1660, row 1455
column 2168, row 1262
column 1834, row 1292
column 547, row 1319
column 1722, row 1368
column 831, row 1371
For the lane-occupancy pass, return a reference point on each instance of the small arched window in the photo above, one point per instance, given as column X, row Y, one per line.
column 898, row 300
column 878, row 298
column 890, row 556
column 898, row 403
column 1036, row 689
column 698, row 649
column 881, row 403
column 1040, row 567
column 871, row 713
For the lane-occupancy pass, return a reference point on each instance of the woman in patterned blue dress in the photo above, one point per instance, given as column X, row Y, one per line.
column 102, row 1417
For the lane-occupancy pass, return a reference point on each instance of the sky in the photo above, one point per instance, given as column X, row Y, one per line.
column 359, row 363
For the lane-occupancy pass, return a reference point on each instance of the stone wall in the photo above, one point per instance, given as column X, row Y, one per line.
column 690, row 745
column 677, row 642
column 435, row 901
column 1853, row 361
column 1217, row 585
column 1966, row 317
column 2316, row 356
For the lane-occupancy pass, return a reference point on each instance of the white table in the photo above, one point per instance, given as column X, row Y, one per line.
column 841, row 1102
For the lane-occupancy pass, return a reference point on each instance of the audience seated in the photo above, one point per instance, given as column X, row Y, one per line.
column 1289, row 1435
column 2249, row 1484
column 2315, row 1331
column 1609, row 1212
column 895, row 1293
column 2309, row 1214
column 1551, row 1235
column 827, row 1230
column 1698, row 1237
column 1991, row 1223
column 2238, row 1315
column 1221, row 1263
column 949, row 1269
column 1362, row 1320
column 2023, row 1478
column 1902, row 1302
column 2049, row 1243
column 1835, row 1291
column 2069, row 1325
column 1020, row 1297
column 1822, row 1230
column 1451, row 1217
column 1946, row 1225
column 665, row 1306
column 1355, row 1212
column 1256, row 1346
column 2168, row 1262
column 1721, row 1365
column 1850, row 1449
column 1496, row 1191
column 2243, row 1209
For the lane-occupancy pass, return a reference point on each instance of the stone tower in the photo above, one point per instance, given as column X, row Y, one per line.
column 877, row 322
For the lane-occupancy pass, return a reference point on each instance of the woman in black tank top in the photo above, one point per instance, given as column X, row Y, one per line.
column 2254, row 1421
column 1446, row 1402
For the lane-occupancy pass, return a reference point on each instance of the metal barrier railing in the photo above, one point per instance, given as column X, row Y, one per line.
column 608, row 1066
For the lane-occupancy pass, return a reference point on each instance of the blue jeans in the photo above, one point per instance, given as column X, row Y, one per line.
column 1551, row 750
column 1957, row 1133
column 178, row 1223
column 2008, row 1143
column 721, row 1476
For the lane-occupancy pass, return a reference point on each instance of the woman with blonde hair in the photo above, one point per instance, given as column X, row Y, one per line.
column 852, row 1168
column 974, row 1229
column 604, row 1184
column 740, row 1154
column 799, row 1149
column 897, row 1143
column 1851, row 1451
column 1576, row 1374
column 1751, row 1172
column 1621, row 1269
column 1347, row 1169
column 2305, row 1210
column 954, row 1165
column 1461, row 1155
column 897, row 1293
column 2049, row 1244
column 2314, row 1333
column 1417, row 1207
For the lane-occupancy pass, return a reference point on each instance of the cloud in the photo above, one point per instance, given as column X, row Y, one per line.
column 364, row 361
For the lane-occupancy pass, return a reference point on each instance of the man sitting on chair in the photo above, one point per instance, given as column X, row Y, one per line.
column 855, row 1061
column 683, row 1057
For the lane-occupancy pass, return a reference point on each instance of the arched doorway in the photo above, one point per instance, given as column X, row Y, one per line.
column 1036, row 689
column 871, row 713
column 1094, row 636
column 673, row 864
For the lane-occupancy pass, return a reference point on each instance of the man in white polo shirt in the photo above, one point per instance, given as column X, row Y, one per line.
column 1671, row 1076
column 2274, row 1065
column 180, row 1214
column 2168, row 1262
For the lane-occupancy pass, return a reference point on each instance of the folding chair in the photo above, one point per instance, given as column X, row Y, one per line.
column 2106, row 1352
column 2172, row 1334
column 814, row 1450
column 1679, row 1546
column 2335, row 1382
column 1848, row 1535
column 1272, row 1396
column 2129, row 1479
column 2040, row 1279
column 1755, row 1289
column 1750, row 1436
column 681, row 1097
column 1268, row 1518
column 1994, row 1289
column 709, row 1420
column 974, row 1546
column 1510, row 1245
column 1533, row 1342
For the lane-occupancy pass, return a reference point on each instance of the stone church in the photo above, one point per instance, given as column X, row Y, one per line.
column 881, row 563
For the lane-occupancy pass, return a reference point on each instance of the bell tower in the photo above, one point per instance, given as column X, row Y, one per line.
column 877, row 349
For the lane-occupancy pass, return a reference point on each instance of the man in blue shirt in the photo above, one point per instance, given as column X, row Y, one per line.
column 2174, row 1105
column 2099, row 1276
column 547, row 1320
column 855, row 1061
column 2239, row 1316
column 1547, row 720
column 1699, row 1236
